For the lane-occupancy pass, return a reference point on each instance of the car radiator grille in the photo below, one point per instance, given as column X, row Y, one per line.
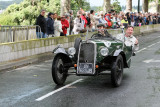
column 87, row 53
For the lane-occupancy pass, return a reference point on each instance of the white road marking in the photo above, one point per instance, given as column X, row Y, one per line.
column 151, row 60
column 141, row 50
column 148, row 47
column 55, row 91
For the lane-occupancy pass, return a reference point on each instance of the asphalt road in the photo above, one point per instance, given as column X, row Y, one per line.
column 32, row 85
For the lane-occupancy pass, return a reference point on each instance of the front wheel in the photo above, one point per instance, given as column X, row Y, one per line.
column 59, row 72
column 117, row 71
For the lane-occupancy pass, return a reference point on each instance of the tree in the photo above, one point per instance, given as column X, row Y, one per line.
column 116, row 6
column 145, row 4
column 128, row 5
column 106, row 6
column 77, row 4
column 27, row 11
column 65, row 6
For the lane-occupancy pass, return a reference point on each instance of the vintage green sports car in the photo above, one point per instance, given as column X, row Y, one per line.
column 92, row 57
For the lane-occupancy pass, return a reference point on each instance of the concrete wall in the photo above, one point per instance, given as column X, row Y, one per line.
column 17, row 50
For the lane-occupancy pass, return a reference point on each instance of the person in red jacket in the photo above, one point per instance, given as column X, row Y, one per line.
column 108, row 19
column 65, row 25
column 83, row 18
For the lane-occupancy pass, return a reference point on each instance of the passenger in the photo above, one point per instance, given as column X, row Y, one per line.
column 129, row 39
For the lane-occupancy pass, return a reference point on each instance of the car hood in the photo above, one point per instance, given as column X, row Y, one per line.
column 112, row 45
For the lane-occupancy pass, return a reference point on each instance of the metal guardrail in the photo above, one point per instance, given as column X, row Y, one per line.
column 18, row 33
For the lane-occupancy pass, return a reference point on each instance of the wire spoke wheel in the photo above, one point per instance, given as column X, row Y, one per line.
column 60, row 69
column 117, row 71
column 59, row 73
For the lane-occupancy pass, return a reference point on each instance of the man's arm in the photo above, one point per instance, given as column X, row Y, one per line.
column 135, row 43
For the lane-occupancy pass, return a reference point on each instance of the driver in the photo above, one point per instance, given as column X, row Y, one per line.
column 102, row 32
column 129, row 39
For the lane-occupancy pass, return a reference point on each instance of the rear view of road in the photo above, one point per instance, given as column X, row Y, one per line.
column 32, row 86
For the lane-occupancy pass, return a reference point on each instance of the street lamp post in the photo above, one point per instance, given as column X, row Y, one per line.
column 138, row 6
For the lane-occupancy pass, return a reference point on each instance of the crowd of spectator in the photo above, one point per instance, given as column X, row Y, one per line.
column 54, row 25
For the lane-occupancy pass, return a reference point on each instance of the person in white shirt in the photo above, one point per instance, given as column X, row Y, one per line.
column 96, row 17
column 78, row 26
column 102, row 20
column 129, row 39
column 57, row 27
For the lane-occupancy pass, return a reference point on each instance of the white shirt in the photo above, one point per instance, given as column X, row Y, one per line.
column 129, row 41
column 57, row 28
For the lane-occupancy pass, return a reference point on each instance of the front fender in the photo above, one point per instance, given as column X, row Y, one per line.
column 59, row 50
column 117, row 52
column 120, row 52
column 66, row 59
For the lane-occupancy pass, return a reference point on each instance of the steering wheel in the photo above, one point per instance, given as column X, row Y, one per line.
column 95, row 36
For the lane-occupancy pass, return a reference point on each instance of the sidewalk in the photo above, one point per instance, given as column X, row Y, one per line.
column 26, row 61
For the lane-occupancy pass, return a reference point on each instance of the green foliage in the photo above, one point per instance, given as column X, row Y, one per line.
column 77, row 4
column 27, row 11
column 7, row 19
column 116, row 6
column 54, row 6
column 153, row 0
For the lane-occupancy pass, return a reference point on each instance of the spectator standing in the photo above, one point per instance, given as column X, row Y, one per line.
column 71, row 23
column 132, row 22
column 77, row 25
column 57, row 27
column 128, row 18
column 92, row 13
column 108, row 19
column 158, row 18
column 55, row 16
column 154, row 19
column 124, row 22
column 89, row 25
column 118, row 20
column 150, row 20
column 141, row 21
column 136, row 19
column 65, row 25
column 97, row 17
column 147, row 20
column 67, row 16
column 84, row 20
column 114, row 20
column 102, row 20
column 50, row 23
column 41, row 25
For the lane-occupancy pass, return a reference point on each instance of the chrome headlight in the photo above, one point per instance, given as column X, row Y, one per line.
column 71, row 51
column 104, row 51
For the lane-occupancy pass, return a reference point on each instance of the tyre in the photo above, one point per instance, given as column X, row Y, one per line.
column 76, row 46
column 117, row 71
column 59, row 73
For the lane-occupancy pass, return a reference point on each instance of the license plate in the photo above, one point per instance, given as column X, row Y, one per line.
column 85, row 68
